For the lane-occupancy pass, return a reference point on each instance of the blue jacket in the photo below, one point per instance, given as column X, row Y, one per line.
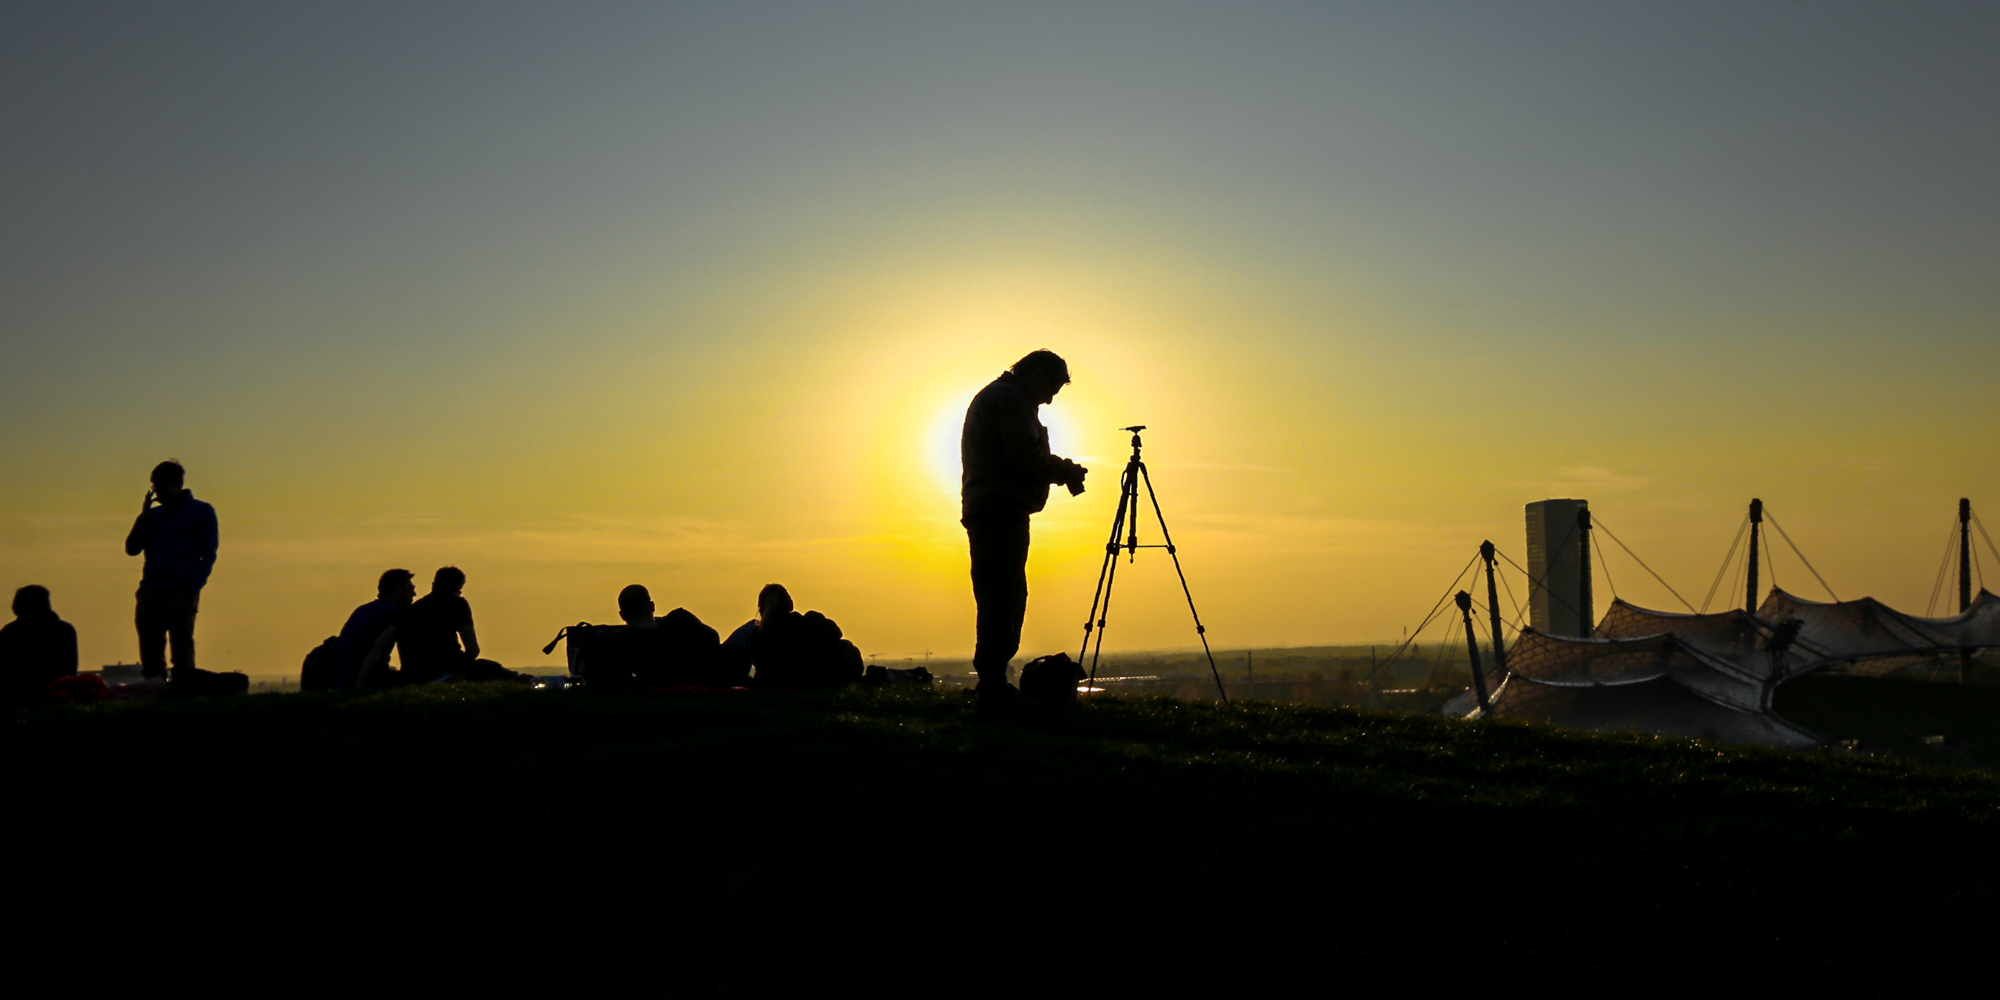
column 179, row 541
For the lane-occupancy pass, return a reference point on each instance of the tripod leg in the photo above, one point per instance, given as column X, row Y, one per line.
column 1167, row 537
column 1128, row 512
column 1097, row 596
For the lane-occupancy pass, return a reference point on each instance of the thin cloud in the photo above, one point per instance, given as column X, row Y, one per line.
column 1586, row 481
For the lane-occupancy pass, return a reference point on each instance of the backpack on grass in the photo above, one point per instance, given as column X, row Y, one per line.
column 194, row 682
column 1051, row 679
column 582, row 638
column 316, row 674
column 894, row 676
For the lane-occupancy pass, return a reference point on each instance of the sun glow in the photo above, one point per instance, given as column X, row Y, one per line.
column 941, row 445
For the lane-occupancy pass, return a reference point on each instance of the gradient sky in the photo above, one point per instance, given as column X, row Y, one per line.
column 581, row 295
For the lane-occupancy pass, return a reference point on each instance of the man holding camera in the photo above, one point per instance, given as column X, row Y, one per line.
column 1008, row 470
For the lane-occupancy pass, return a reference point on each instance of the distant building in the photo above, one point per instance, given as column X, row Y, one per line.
column 121, row 673
column 1559, row 560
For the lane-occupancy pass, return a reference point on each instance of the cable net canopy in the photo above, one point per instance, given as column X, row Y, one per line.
column 1876, row 636
column 1661, row 706
column 1731, row 641
column 1712, row 676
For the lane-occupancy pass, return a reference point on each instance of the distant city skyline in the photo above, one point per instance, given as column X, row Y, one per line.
column 694, row 296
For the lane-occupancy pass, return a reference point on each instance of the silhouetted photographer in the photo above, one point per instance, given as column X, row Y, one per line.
column 1008, row 470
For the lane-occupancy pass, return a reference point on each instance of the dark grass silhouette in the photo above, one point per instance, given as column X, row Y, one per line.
column 732, row 839
column 1948, row 725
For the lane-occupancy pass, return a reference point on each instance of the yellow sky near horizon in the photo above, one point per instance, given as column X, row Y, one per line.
column 693, row 298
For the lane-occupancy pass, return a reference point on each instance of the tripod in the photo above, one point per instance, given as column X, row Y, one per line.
column 1126, row 522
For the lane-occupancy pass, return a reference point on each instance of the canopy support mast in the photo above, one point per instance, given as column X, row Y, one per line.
column 1964, row 580
column 1756, row 527
column 1493, row 611
column 1964, row 554
column 1583, row 573
column 1472, row 652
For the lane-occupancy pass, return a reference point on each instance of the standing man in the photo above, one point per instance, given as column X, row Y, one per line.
column 1007, row 473
column 178, row 537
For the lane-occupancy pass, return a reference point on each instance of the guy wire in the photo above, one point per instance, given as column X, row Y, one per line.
column 1768, row 516
column 1727, row 558
column 1944, row 565
column 1393, row 657
column 1603, row 564
column 1599, row 523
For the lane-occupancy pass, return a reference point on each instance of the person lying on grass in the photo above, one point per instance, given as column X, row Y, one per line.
column 792, row 650
column 652, row 651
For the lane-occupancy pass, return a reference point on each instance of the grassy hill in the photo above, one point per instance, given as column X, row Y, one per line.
column 1946, row 724
column 720, row 838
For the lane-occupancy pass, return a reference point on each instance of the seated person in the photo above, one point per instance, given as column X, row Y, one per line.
column 653, row 652
column 428, row 636
column 361, row 658
column 36, row 648
column 792, row 650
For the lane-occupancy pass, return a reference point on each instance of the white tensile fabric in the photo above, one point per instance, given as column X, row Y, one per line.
column 1712, row 676
column 1867, row 632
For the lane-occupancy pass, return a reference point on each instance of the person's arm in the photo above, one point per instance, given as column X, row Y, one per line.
column 208, row 536
column 377, row 653
column 470, row 640
column 67, row 654
column 141, row 533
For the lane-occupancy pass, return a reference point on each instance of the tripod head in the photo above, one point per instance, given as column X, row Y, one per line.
column 1135, row 429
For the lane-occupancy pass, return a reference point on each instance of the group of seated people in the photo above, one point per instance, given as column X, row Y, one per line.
column 433, row 636
column 780, row 649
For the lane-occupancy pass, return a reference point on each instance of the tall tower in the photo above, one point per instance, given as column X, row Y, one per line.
column 1559, row 599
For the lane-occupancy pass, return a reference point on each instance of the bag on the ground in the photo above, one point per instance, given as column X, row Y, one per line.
column 894, row 676
column 317, row 673
column 582, row 638
column 193, row 682
column 1051, row 679
column 228, row 682
column 77, row 689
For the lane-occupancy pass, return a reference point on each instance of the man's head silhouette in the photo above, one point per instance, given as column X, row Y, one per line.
column 169, row 480
column 1043, row 373
column 773, row 601
column 32, row 599
column 635, row 604
column 449, row 581
column 397, row 586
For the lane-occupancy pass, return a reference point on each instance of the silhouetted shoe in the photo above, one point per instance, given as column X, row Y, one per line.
column 997, row 698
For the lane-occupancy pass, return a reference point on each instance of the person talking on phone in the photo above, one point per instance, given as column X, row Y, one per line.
column 1007, row 472
column 178, row 535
